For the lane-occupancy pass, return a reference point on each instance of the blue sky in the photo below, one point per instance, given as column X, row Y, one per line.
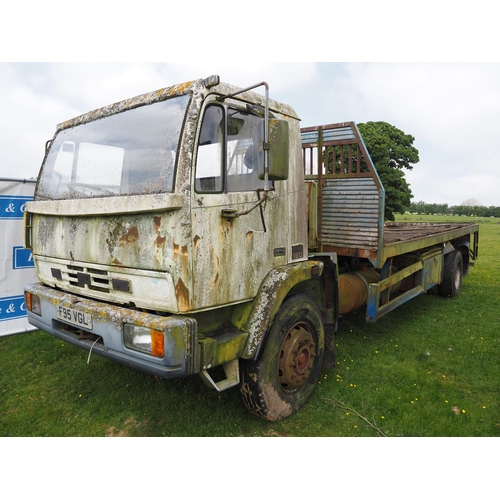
column 451, row 109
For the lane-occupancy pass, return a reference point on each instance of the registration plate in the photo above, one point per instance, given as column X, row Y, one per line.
column 77, row 318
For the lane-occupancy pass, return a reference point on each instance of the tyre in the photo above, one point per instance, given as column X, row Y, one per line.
column 465, row 261
column 286, row 374
column 452, row 275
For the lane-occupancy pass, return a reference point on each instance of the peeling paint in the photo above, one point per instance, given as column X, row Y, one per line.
column 182, row 294
column 275, row 287
column 131, row 236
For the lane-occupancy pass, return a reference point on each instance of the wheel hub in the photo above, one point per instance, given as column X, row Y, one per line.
column 296, row 357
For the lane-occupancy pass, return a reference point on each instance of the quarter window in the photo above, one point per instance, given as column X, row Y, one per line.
column 209, row 161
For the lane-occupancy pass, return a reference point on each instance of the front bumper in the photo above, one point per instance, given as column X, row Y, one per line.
column 181, row 354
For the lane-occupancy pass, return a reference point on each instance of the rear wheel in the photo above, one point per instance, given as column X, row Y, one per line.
column 452, row 275
column 285, row 376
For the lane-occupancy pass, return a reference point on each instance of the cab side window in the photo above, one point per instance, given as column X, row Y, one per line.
column 230, row 156
column 245, row 158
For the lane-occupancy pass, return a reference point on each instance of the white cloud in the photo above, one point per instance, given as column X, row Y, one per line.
column 455, row 105
column 279, row 76
column 91, row 85
column 434, row 186
column 36, row 97
column 28, row 120
column 450, row 109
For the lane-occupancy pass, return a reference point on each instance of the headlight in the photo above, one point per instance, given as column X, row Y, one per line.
column 142, row 339
column 33, row 303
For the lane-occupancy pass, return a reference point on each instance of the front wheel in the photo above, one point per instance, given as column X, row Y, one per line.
column 285, row 376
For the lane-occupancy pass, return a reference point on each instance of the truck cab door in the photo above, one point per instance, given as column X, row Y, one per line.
column 231, row 255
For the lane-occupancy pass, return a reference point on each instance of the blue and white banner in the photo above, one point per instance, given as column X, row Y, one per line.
column 16, row 263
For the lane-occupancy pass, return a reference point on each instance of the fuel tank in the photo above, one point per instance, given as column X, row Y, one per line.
column 353, row 289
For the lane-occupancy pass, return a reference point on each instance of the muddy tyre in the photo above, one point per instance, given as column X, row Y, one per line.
column 286, row 374
column 452, row 275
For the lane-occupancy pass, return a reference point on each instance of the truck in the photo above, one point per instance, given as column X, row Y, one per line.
column 197, row 229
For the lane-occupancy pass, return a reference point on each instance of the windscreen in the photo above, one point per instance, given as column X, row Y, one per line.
column 129, row 153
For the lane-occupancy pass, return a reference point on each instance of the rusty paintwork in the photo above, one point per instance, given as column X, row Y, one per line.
column 216, row 352
column 353, row 289
column 206, row 261
column 401, row 238
column 425, row 273
column 231, row 257
column 181, row 350
column 347, row 198
column 350, row 195
column 256, row 316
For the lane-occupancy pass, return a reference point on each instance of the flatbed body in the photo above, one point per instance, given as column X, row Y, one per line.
column 346, row 202
column 404, row 237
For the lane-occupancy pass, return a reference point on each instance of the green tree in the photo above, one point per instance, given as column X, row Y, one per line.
column 418, row 207
column 391, row 151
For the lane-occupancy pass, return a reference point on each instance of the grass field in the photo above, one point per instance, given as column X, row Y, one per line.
column 430, row 368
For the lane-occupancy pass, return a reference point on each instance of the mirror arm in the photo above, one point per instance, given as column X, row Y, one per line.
column 265, row 145
column 232, row 213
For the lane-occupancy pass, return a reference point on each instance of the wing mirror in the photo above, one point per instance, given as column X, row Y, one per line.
column 278, row 150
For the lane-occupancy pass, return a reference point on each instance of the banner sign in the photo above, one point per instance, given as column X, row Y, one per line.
column 16, row 264
column 12, row 207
